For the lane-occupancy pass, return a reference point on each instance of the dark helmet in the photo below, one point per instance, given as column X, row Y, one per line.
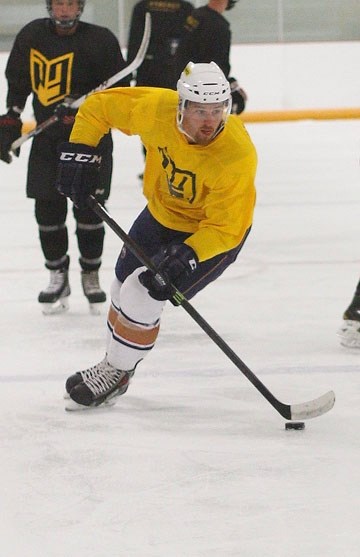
column 68, row 23
column 231, row 4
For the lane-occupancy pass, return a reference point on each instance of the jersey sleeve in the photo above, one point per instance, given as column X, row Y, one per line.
column 17, row 73
column 122, row 108
column 228, row 210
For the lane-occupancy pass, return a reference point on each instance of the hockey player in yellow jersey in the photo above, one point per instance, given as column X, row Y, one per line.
column 199, row 185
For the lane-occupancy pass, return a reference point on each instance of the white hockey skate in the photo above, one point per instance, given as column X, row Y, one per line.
column 55, row 298
column 349, row 334
column 92, row 290
column 98, row 385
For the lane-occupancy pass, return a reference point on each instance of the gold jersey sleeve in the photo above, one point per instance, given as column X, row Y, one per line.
column 208, row 191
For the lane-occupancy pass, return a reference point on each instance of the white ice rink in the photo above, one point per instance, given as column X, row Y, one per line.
column 193, row 461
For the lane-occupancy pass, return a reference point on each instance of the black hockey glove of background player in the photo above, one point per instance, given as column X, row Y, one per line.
column 65, row 113
column 238, row 95
column 78, row 172
column 10, row 131
column 172, row 263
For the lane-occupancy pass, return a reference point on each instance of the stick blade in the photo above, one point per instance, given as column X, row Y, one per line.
column 313, row 408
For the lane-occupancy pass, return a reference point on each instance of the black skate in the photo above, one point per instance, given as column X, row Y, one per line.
column 100, row 384
column 92, row 290
column 54, row 298
column 353, row 311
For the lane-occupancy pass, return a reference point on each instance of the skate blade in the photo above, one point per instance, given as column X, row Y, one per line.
column 96, row 309
column 349, row 334
column 60, row 306
column 72, row 406
column 350, row 343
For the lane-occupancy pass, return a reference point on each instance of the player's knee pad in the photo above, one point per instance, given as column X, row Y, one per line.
column 136, row 303
column 51, row 213
column 86, row 216
column 134, row 325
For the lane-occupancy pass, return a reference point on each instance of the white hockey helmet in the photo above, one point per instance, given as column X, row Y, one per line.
column 206, row 84
column 68, row 23
column 203, row 83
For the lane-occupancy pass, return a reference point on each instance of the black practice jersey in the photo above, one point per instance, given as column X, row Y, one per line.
column 207, row 39
column 167, row 28
column 52, row 67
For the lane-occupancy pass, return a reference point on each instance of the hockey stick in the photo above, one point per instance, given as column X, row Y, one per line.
column 105, row 85
column 302, row 411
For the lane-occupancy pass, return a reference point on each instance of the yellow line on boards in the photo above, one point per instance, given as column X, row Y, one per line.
column 278, row 116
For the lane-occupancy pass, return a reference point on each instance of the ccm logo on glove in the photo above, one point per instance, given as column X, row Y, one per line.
column 77, row 174
column 80, row 157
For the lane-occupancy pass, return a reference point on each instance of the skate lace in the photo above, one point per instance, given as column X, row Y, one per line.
column 102, row 377
column 57, row 280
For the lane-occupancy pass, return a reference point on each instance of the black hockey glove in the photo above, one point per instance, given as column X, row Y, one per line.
column 172, row 263
column 65, row 113
column 10, row 131
column 238, row 95
column 78, row 172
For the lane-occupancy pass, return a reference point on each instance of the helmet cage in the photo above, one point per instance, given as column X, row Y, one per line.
column 70, row 22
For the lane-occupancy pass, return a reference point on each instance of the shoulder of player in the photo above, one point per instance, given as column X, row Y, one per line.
column 187, row 7
column 34, row 26
column 148, row 94
column 205, row 17
column 236, row 140
column 140, row 8
column 211, row 17
column 95, row 30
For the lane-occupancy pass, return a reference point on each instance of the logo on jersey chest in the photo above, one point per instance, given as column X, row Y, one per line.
column 181, row 183
column 50, row 79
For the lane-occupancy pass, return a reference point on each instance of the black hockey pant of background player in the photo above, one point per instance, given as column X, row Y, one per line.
column 51, row 208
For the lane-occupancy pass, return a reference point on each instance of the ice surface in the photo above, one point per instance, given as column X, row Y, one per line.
column 193, row 461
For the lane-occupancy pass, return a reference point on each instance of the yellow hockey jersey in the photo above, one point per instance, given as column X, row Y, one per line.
column 208, row 190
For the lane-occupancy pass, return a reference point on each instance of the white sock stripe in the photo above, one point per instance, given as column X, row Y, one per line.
column 56, row 263
column 51, row 228
column 82, row 226
column 91, row 261
column 131, row 344
column 144, row 325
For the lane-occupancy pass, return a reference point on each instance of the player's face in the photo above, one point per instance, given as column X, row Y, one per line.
column 201, row 121
column 64, row 10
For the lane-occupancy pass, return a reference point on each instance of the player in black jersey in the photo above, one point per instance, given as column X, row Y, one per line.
column 54, row 59
column 167, row 28
column 159, row 67
column 208, row 38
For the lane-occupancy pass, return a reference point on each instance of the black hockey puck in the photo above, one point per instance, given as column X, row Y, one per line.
column 295, row 425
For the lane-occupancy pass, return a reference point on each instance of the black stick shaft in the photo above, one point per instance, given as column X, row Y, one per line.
column 179, row 299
